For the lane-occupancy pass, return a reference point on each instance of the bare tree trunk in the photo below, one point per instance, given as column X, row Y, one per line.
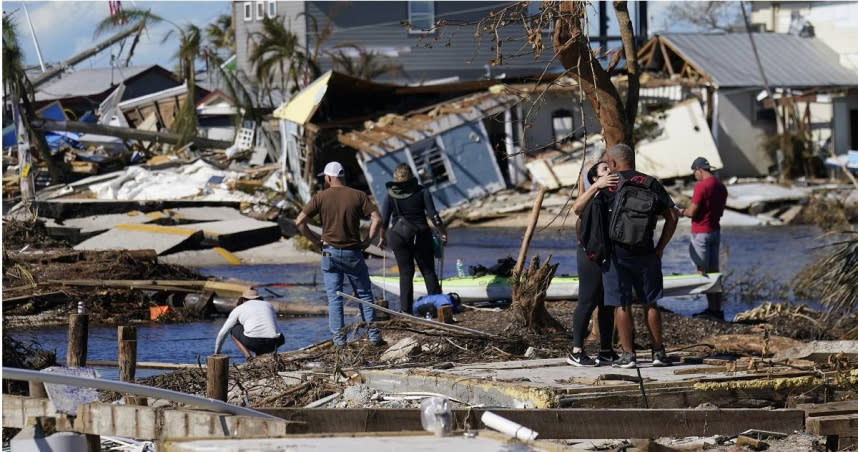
column 572, row 48
column 621, row 8
column 528, row 297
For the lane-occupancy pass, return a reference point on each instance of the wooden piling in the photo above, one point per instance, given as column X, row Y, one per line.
column 127, row 352
column 78, row 333
column 127, row 359
column 217, row 376
column 445, row 314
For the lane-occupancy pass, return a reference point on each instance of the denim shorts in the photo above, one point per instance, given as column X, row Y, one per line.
column 704, row 250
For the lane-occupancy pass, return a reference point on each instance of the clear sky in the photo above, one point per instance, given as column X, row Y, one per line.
column 64, row 28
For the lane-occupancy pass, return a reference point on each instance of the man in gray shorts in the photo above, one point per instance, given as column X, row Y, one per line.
column 705, row 210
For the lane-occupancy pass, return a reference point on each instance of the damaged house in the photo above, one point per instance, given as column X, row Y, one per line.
column 813, row 91
column 354, row 121
column 447, row 146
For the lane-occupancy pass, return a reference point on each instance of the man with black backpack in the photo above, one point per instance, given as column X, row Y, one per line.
column 633, row 271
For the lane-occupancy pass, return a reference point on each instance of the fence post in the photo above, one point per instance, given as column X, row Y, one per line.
column 78, row 332
column 127, row 359
column 217, row 376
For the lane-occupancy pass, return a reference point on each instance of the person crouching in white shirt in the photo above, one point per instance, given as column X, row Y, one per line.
column 252, row 325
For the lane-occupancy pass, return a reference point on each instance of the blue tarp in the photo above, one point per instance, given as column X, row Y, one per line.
column 9, row 136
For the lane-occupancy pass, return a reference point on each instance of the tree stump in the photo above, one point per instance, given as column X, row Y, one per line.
column 528, row 297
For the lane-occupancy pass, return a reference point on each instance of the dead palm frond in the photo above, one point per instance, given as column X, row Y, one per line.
column 221, row 33
column 834, row 278
column 128, row 18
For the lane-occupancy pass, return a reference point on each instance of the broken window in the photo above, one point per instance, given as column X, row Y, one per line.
column 431, row 164
column 763, row 113
column 248, row 11
column 421, row 16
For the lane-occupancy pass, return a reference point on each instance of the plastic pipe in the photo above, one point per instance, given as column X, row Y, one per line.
column 508, row 427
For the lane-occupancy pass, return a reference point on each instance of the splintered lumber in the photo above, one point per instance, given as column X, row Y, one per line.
column 142, row 364
column 412, row 319
column 752, row 344
column 558, row 423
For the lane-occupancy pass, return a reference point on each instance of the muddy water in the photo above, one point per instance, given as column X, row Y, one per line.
column 753, row 254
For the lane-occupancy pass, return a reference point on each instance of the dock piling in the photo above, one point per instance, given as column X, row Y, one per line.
column 127, row 359
column 217, row 377
column 78, row 333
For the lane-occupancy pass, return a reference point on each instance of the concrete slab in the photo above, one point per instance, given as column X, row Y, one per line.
column 78, row 229
column 82, row 207
column 537, row 383
column 237, row 234
column 211, row 257
column 283, row 251
column 162, row 239
column 413, row 443
column 201, row 214
column 746, row 196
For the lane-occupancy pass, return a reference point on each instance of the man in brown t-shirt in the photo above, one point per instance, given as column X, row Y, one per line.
column 341, row 208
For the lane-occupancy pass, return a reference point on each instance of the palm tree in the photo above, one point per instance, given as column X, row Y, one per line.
column 277, row 52
column 17, row 85
column 190, row 49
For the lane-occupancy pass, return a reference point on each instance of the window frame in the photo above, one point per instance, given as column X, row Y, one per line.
column 421, row 147
column 414, row 30
column 272, row 9
column 248, row 11
column 260, row 9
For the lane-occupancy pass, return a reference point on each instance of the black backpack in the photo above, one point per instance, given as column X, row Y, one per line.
column 594, row 232
column 634, row 213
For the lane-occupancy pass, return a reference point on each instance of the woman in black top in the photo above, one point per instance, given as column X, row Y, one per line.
column 410, row 237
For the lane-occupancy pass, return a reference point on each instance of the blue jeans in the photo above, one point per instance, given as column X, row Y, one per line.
column 337, row 264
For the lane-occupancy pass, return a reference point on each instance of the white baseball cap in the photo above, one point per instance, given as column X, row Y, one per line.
column 334, row 169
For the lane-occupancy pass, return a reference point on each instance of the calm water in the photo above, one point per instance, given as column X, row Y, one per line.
column 753, row 254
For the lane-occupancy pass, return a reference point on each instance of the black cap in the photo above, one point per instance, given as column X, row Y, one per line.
column 701, row 163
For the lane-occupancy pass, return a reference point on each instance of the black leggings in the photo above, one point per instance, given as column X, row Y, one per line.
column 407, row 251
column 591, row 294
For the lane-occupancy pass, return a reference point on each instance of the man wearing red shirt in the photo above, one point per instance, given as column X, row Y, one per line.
column 705, row 210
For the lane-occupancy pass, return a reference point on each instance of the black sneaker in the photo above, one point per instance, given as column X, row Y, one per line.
column 627, row 361
column 606, row 358
column 580, row 359
column 660, row 359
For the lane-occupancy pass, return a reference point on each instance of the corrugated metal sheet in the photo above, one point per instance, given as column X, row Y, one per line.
column 87, row 82
column 788, row 60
